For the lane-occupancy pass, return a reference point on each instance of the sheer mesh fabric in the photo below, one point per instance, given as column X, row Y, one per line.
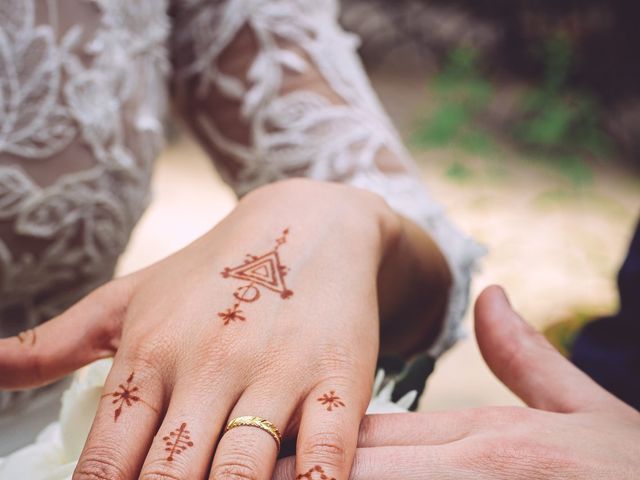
column 82, row 94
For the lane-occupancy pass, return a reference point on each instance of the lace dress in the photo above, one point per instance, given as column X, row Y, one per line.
column 272, row 88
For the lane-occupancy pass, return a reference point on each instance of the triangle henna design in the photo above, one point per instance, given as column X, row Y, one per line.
column 264, row 271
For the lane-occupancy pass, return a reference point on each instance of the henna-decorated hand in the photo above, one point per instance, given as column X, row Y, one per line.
column 274, row 313
column 574, row 430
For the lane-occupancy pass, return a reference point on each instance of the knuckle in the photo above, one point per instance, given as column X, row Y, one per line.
column 233, row 471
column 326, row 446
column 162, row 470
column 336, row 358
column 524, row 458
column 161, row 475
column 238, row 466
column 146, row 356
column 99, row 465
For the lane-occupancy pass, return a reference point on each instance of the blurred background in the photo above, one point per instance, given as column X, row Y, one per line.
column 524, row 117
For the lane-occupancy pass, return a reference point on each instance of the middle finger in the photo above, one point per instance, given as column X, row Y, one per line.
column 184, row 445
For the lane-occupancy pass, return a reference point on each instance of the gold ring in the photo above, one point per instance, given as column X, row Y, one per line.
column 261, row 423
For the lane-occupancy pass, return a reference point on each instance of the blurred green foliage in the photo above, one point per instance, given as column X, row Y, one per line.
column 556, row 118
column 462, row 94
column 553, row 122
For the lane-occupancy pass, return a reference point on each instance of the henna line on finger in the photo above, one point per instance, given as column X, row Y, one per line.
column 126, row 395
column 265, row 271
column 181, row 442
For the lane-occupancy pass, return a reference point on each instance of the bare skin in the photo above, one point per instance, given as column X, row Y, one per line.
column 183, row 364
column 572, row 430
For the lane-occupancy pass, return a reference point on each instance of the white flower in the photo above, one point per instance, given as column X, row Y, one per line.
column 55, row 453
column 382, row 402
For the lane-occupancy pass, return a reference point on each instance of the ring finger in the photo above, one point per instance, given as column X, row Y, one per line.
column 247, row 451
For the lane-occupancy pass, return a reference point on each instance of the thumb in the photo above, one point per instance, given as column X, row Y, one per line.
column 87, row 331
column 529, row 365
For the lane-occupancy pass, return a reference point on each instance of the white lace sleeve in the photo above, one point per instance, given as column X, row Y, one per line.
column 82, row 96
column 275, row 89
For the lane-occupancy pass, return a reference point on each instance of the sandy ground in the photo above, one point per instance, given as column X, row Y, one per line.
column 555, row 247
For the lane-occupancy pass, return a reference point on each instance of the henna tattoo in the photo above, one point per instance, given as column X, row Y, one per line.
column 177, row 441
column 315, row 473
column 331, row 400
column 231, row 314
column 125, row 395
column 28, row 336
column 258, row 271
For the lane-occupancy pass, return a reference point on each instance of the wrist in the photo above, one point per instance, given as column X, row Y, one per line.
column 361, row 218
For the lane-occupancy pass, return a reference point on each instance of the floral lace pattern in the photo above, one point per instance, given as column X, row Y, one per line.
column 82, row 97
column 78, row 134
column 301, row 130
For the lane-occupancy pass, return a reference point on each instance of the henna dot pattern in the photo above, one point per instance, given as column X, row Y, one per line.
column 264, row 271
column 27, row 337
column 315, row 473
column 124, row 395
column 331, row 400
column 177, row 441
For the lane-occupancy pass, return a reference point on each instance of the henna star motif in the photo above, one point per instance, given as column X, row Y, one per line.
column 315, row 473
column 231, row 314
column 125, row 395
column 265, row 271
column 178, row 441
column 332, row 400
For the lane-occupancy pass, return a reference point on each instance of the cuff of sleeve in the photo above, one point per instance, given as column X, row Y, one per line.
column 408, row 196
